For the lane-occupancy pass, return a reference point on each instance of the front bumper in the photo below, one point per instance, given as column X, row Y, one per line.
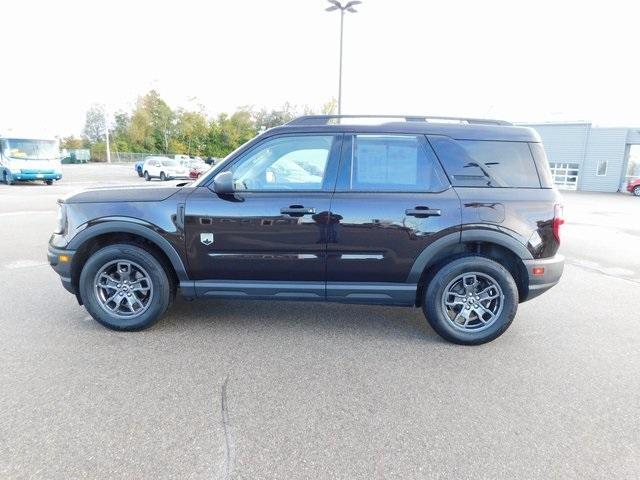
column 540, row 283
column 36, row 176
column 60, row 260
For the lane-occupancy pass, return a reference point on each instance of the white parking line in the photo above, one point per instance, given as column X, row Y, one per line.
column 27, row 212
column 18, row 264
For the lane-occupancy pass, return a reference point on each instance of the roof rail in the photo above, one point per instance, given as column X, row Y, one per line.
column 326, row 119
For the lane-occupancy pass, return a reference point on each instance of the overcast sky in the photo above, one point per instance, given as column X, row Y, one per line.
column 543, row 60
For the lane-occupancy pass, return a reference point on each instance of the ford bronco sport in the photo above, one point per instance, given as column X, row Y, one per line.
column 457, row 216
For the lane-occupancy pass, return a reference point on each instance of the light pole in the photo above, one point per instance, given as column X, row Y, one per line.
column 347, row 7
column 106, row 132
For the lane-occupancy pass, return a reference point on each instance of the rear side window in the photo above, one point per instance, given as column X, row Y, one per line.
column 392, row 163
column 487, row 163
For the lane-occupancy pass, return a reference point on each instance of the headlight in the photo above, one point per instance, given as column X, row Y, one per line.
column 62, row 218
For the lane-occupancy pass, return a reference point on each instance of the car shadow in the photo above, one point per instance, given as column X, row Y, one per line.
column 309, row 318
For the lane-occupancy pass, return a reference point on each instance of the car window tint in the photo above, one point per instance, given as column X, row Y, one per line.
column 284, row 163
column 487, row 163
column 393, row 163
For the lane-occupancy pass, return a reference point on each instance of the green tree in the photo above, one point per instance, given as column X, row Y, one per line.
column 71, row 142
column 94, row 126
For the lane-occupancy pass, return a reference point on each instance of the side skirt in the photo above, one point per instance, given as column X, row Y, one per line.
column 402, row 294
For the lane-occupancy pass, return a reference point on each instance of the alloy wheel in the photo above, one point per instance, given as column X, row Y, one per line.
column 472, row 301
column 123, row 288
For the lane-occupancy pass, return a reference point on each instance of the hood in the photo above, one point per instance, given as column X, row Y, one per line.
column 122, row 194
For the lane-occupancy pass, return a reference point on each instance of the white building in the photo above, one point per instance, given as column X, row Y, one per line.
column 585, row 157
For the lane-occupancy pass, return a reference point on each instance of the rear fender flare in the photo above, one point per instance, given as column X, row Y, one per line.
column 487, row 236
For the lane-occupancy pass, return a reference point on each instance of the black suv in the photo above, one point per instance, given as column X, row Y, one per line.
column 458, row 216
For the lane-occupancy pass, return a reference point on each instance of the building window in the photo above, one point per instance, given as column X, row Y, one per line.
column 565, row 175
column 602, row 168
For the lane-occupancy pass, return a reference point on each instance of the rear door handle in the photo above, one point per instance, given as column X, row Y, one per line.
column 297, row 211
column 423, row 212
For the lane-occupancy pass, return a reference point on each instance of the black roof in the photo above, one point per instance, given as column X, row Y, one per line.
column 466, row 129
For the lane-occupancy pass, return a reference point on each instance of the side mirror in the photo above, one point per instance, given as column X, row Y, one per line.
column 223, row 183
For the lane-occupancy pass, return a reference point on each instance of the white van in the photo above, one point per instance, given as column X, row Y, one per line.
column 28, row 158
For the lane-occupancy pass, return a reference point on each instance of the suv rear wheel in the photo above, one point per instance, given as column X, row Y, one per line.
column 125, row 288
column 147, row 177
column 471, row 300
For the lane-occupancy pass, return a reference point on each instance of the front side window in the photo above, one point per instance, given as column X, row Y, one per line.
column 284, row 163
column 393, row 163
column 487, row 163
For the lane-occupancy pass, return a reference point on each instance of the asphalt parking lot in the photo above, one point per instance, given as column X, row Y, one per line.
column 248, row 390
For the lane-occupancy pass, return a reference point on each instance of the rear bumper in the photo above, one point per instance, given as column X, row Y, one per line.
column 60, row 260
column 538, row 284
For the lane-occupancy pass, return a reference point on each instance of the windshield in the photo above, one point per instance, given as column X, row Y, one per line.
column 25, row 149
column 169, row 163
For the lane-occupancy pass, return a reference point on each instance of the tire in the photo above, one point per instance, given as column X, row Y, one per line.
column 448, row 284
column 139, row 170
column 147, row 177
column 7, row 178
column 636, row 190
column 144, row 271
column 163, row 177
column 48, row 182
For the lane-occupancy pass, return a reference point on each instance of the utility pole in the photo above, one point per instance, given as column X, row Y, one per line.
column 106, row 132
column 336, row 5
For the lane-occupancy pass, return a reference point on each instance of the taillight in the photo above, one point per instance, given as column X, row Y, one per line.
column 558, row 220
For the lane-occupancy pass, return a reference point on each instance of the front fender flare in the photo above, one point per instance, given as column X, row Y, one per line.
column 142, row 229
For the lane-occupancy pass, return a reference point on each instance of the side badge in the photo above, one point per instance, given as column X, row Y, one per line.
column 206, row 238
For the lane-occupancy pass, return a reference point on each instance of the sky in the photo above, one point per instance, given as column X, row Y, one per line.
column 517, row 60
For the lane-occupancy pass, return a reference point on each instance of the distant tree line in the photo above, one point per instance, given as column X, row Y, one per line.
column 154, row 127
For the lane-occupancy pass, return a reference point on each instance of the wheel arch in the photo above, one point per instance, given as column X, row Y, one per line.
column 499, row 247
column 95, row 237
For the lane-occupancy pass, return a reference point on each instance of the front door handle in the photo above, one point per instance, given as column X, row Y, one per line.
column 297, row 211
column 423, row 212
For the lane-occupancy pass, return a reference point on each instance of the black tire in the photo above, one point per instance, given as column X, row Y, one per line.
column 7, row 178
column 434, row 309
column 163, row 177
column 139, row 170
column 636, row 191
column 48, row 182
column 147, row 177
column 162, row 289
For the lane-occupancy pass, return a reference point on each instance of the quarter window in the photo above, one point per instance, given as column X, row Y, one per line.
column 284, row 163
column 487, row 163
column 394, row 163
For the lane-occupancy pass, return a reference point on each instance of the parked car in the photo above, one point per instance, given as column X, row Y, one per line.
column 163, row 168
column 461, row 220
column 196, row 167
column 634, row 187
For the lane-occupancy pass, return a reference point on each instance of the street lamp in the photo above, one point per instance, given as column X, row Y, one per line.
column 348, row 7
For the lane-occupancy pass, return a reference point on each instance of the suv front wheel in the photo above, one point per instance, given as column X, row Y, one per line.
column 125, row 287
column 471, row 300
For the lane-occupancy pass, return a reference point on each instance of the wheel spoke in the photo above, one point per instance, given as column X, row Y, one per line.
column 489, row 293
column 107, row 281
column 470, row 282
column 453, row 299
column 482, row 313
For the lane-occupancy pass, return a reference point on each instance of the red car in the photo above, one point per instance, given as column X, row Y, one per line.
column 634, row 187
